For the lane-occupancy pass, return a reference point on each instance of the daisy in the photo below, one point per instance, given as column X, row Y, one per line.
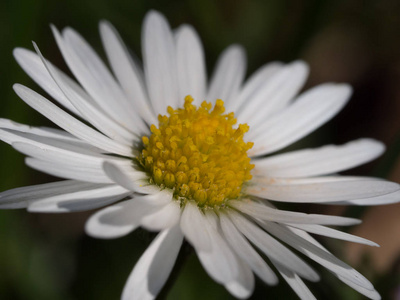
column 142, row 142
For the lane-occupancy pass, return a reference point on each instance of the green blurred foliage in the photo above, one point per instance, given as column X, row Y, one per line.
column 49, row 257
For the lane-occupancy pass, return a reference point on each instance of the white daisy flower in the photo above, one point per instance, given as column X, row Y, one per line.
column 135, row 142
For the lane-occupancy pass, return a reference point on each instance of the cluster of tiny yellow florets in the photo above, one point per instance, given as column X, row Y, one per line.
column 197, row 153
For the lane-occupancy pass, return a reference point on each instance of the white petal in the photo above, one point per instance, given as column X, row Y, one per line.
column 34, row 67
column 326, row 259
column 120, row 219
column 296, row 283
column 23, row 196
column 253, row 86
column 164, row 218
column 68, row 171
column 154, row 266
column 86, row 106
column 192, row 224
column 69, row 123
column 372, row 294
column 272, row 248
column 62, row 152
column 66, row 156
column 315, row 162
column 311, row 109
column 127, row 71
column 367, row 290
column 34, row 145
column 94, row 76
column 79, row 200
column 159, row 60
column 324, row 191
column 243, row 286
column 332, row 233
column 274, row 94
column 104, row 224
column 221, row 263
column 191, row 64
column 144, row 186
column 246, row 252
column 13, row 137
column 228, row 75
column 43, row 131
column 127, row 177
column 379, row 200
column 262, row 180
column 263, row 212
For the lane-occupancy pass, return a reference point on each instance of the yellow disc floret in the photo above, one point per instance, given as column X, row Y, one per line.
column 198, row 153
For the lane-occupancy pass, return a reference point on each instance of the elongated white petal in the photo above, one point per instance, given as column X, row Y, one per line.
column 312, row 109
column 242, row 287
column 120, row 219
column 246, row 252
column 200, row 233
column 34, row 67
column 86, row 106
column 191, row 64
column 126, row 177
column 262, row 180
column 127, row 71
column 222, row 264
column 96, row 79
column 324, row 191
column 66, row 155
column 48, row 152
column 263, row 212
column 367, row 290
column 272, row 248
column 107, row 223
column 59, row 151
column 13, row 137
column 23, row 196
column 166, row 217
column 296, row 283
column 379, row 200
column 144, row 186
column 317, row 254
column 159, row 61
column 228, row 75
column 69, row 123
column 370, row 293
column 154, row 266
column 275, row 94
column 53, row 150
column 320, row 161
column 243, row 284
column 79, row 200
column 253, row 86
column 69, row 171
column 332, row 233
column 192, row 224
column 43, row 131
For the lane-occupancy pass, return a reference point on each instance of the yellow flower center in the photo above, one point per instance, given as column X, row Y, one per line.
column 197, row 153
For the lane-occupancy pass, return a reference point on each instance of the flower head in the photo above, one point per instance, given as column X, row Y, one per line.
column 169, row 152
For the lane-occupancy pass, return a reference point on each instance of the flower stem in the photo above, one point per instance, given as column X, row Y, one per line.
column 184, row 253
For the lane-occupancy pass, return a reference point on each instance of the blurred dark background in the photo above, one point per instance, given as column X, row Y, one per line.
column 45, row 256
